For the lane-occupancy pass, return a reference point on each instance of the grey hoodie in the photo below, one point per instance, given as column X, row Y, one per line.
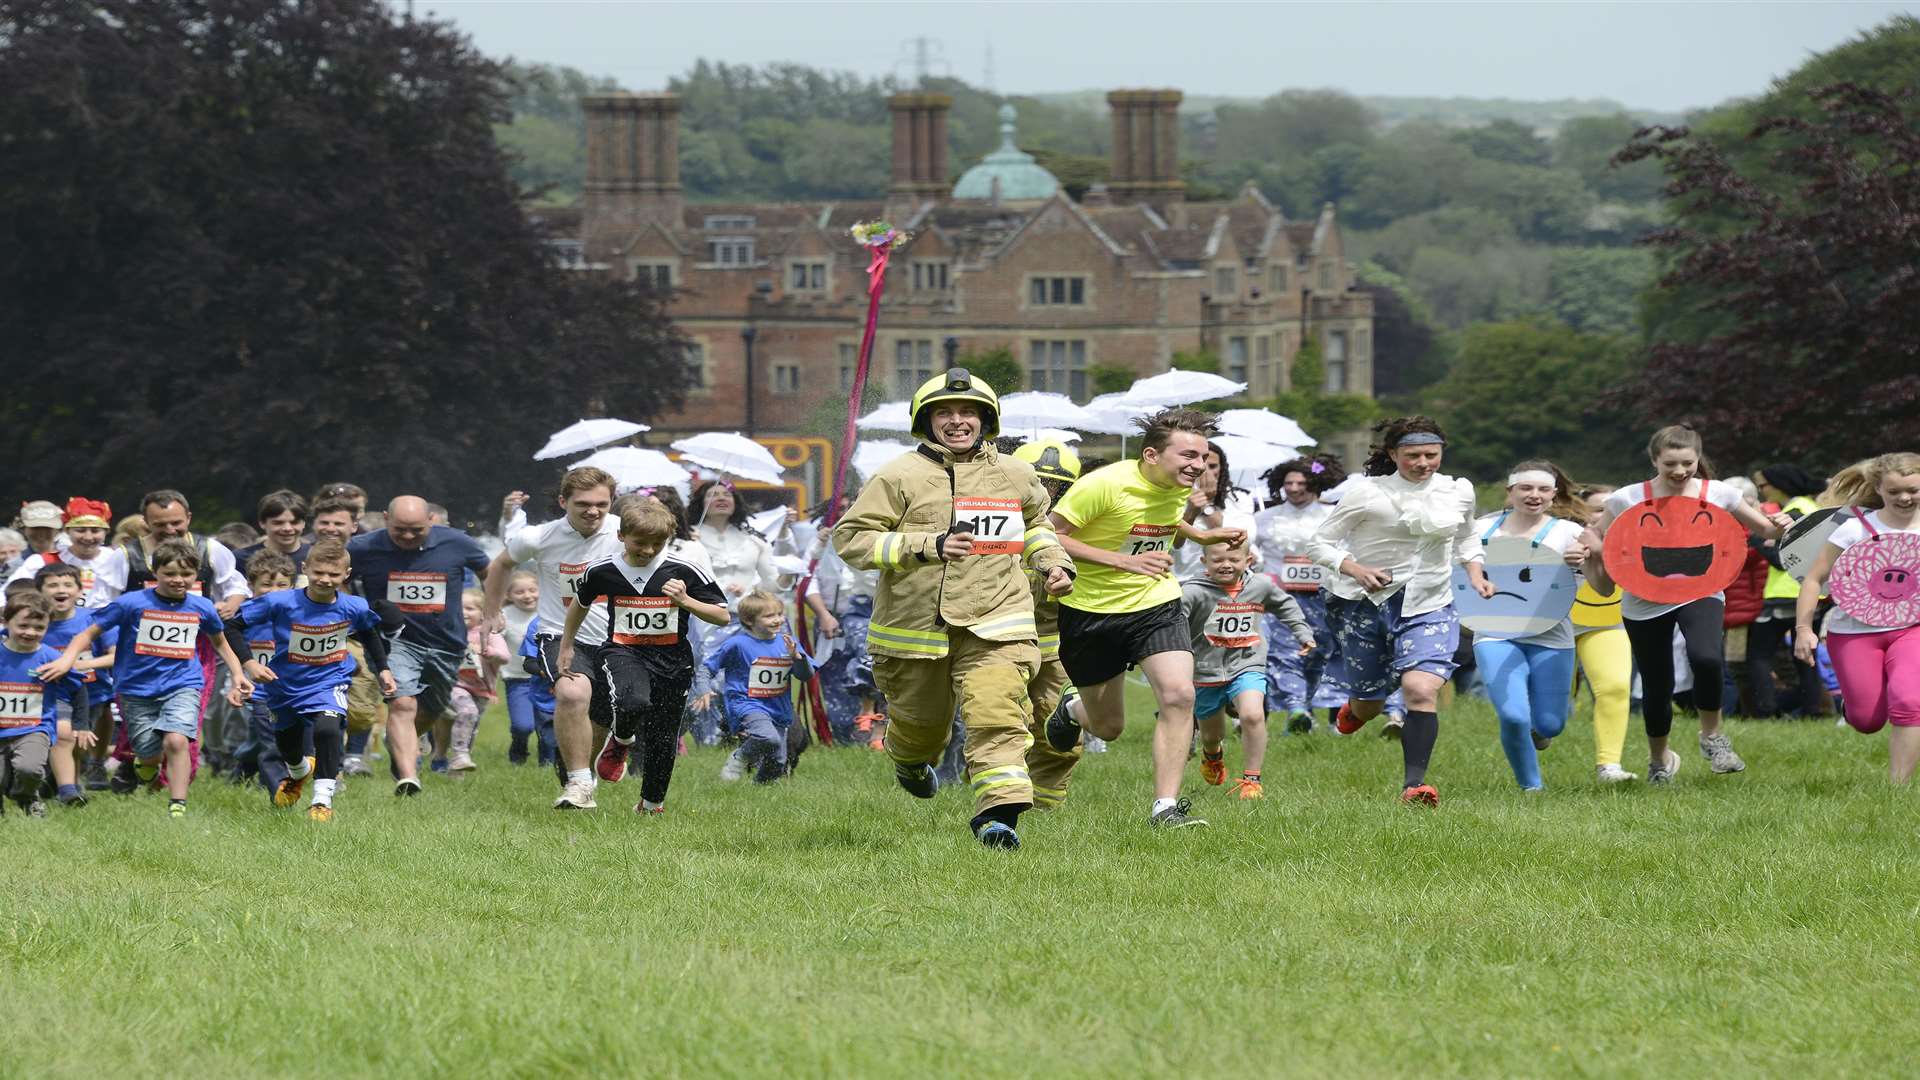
column 1229, row 636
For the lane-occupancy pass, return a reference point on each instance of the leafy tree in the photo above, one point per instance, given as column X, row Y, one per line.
column 1586, row 145
column 1535, row 389
column 1202, row 360
column 1814, row 347
column 1508, row 141
column 998, row 366
column 1309, row 404
column 1598, row 289
column 1407, row 352
column 1110, row 379
column 247, row 244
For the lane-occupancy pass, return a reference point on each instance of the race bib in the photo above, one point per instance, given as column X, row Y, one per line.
column 418, row 593
column 644, row 620
column 21, row 705
column 570, row 580
column 769, row 676
column 317, row 646
column 1301, row 574
column 171, row 634
column 1234, row 625
column 262, row 651
column 997, row 525
column 1144, row 538
column 470, row 661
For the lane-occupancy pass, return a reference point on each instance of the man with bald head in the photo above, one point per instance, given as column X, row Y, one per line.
column 420, row 568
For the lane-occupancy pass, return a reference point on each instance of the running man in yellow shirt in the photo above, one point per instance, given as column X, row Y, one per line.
column 1120, row 524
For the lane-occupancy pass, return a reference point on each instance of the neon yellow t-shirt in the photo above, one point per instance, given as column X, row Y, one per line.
column 1115, row 508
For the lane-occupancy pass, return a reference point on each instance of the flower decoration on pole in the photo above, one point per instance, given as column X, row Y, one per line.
column 881, row 240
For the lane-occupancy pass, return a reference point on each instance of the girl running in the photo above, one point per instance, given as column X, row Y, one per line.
column 1299, row 684
column 1878, row 666
column 1676, row 453
column 1606, row 658
column 1392, row 542
column 1530, row 679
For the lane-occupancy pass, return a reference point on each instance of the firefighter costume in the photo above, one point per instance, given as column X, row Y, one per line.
column 1056, row 464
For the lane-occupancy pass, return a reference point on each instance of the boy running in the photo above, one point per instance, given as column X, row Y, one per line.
column 305, row 682
column 1226, row 607
column 63, row 586
column 156, row 670
column 646, row 662
column 1121, row 524
column 29, row 701
column 758, row 669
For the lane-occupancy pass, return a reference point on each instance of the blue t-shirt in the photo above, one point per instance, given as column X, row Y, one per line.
column 26, row 703
column 759, row 676
column 309, row 646
column 542, row 690
column 100, row 680
column 424, row 584
column 155, row 656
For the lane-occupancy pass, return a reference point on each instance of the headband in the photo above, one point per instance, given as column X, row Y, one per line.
column 1533, row 476
column 1419, row 438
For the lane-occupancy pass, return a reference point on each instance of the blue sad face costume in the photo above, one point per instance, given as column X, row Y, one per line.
column 1533, row 588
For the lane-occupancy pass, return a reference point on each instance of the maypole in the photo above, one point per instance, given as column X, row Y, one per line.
column 880, row 239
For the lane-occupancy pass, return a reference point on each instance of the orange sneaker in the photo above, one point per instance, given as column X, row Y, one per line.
column 1423, row 795
column 864, row 722
column 288, row 793
column 1244, row 788
column 319, row 812
column 1345, row 722
column 1213, row 768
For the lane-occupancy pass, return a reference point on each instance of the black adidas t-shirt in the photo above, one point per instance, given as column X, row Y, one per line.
column 640, row 617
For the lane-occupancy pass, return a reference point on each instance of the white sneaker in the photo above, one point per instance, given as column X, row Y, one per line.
column 1613, row 774
column 735, row 767
column 1661, row 772
column 578, row 795
column 460, row 762
column 1094, row 745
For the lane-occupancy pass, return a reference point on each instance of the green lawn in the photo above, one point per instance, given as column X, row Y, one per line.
column 1754, row 924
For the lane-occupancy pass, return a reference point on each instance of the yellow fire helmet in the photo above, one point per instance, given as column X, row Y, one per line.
column 1051, row 458
column 956, row 385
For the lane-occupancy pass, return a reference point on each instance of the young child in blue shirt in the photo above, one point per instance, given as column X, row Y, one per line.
column 305, row 683
column 539, row 696
column 156, row 670
column 64, row 585
column 29, row 714
column 758, row 667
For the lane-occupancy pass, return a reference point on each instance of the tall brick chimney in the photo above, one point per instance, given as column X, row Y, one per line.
column 633, row 158
column 1146, row 147
column 919, row 146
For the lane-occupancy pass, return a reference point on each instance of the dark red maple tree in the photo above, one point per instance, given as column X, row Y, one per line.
column 1793, row 295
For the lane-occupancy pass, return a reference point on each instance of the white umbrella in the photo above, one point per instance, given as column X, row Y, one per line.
column 1033, row 409
column 634, row 467
column 1264, row 426
column 1111, row 414
column 871, row 454
column 586, row 435
column 730, row 452
column 892, row 416
column 1056, row 434
column 768, row 522
column 1181, row 388
column 1248, row 458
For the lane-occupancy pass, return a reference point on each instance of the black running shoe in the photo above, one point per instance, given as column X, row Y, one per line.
column 125, row 779
column 1063, row 731
column 918, row 780
column 1177, row 816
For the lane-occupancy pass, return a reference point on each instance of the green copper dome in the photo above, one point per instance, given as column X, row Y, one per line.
column 1020, row 179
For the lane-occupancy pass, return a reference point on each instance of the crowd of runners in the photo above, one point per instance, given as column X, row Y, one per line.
column 975, row 612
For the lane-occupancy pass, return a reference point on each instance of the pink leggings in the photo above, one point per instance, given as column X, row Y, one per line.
column 1879, row 677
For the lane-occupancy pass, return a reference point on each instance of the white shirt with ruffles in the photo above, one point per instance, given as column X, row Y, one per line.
column 1415, row 532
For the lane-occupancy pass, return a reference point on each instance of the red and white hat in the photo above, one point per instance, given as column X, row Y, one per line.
column 88, row 513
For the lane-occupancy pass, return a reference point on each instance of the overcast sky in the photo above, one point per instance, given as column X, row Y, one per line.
column 1667, row 56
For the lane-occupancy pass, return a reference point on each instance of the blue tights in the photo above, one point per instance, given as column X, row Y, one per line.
column 1532, row 691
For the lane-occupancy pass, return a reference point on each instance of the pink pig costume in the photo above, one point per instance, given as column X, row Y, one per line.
column 1874, row 637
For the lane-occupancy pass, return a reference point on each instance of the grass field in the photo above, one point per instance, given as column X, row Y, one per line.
column 1754, row 924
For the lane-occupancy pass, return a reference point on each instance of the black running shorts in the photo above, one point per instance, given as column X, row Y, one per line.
column 1096, row 646
column 585, row 657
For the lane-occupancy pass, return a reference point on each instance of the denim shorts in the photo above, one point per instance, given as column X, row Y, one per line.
column 424, row 674
column 1380, row 646
column 1208, row 700
column 150, row 719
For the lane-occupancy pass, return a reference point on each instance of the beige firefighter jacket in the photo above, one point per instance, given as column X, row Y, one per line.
column 898, row 522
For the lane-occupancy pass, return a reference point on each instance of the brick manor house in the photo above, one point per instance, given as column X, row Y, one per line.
column 1126, row 277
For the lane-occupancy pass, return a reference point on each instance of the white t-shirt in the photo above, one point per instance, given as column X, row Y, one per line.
column 1849, row 533
column 516, row 633
column 105, row 577
column 1560, row 536
column 558, row 555
column 1624, row 499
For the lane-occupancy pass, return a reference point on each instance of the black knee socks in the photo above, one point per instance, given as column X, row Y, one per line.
column 1422, row 730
